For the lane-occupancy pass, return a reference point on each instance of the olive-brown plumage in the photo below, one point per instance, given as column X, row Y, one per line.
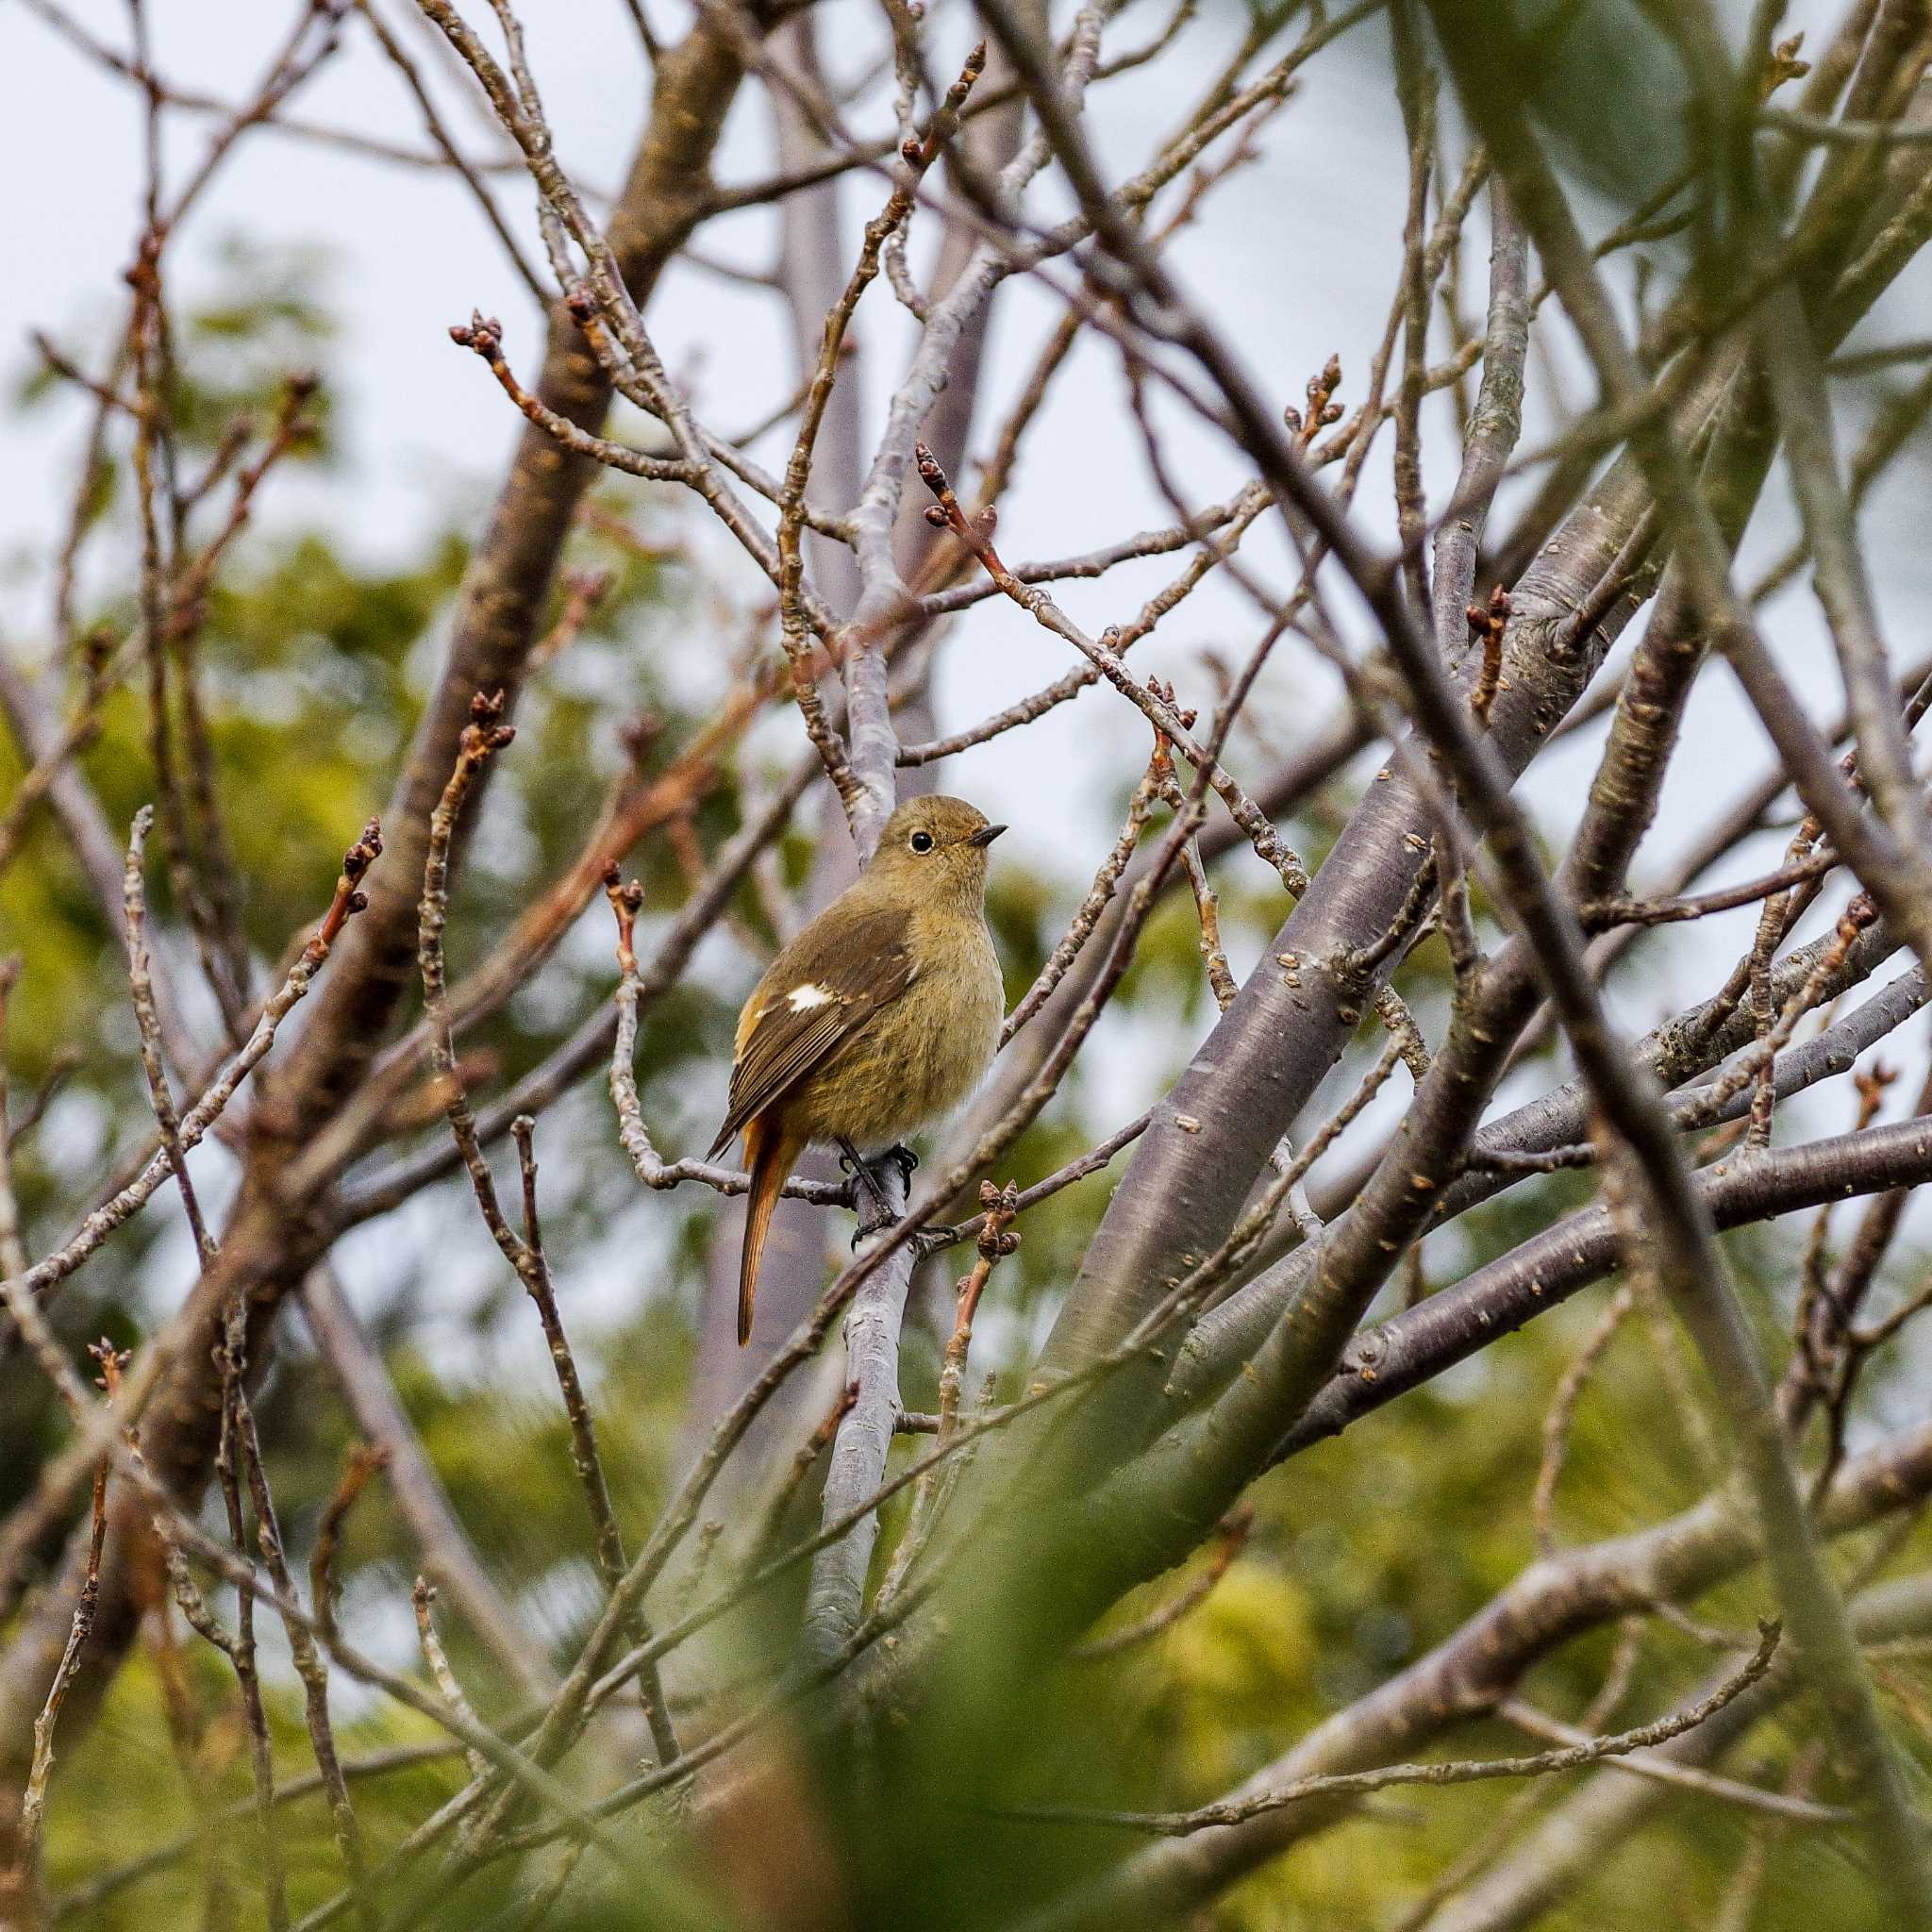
column 880, row 1016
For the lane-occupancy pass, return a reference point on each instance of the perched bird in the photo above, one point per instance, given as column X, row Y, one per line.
column 878, row 1017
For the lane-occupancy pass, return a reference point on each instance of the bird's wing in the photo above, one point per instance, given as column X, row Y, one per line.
column 822, row 989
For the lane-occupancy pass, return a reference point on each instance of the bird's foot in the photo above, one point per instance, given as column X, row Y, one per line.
column 903, row 1157
column 876, row 1210
column 876, row 1214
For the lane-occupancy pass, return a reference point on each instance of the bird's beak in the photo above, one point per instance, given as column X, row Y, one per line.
column 986, row 835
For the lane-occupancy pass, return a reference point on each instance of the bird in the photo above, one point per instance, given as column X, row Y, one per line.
column 879, row 1017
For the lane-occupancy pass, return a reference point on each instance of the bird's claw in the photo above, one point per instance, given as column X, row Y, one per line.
column 875, row 1210
column 875, row 1213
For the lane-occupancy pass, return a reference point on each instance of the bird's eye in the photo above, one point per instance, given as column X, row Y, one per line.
column 921, row 842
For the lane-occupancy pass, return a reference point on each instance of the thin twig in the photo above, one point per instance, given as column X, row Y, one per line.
column 33, row 1803
column 1453, row 1772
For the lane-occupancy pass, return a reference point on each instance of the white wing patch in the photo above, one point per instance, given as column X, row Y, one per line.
column 802, row 999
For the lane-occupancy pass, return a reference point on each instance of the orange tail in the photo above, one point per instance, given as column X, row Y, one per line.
column 769, row 1152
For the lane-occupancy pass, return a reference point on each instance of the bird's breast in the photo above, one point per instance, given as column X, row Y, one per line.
column 924, row 1051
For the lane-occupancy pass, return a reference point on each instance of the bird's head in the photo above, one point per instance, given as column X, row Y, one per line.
column 935, row 848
